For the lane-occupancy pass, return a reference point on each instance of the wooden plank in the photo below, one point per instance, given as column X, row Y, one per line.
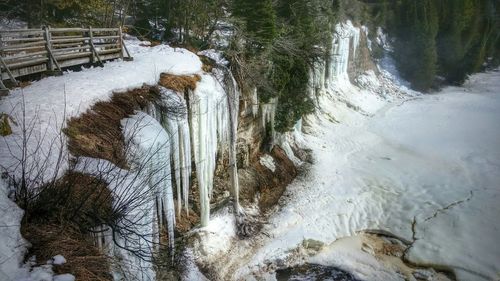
column 3, row 89
column 22, row 56
column 120, row 42
column 107, row 45
column 27, row 70
column 58, row 51
column 112, row 56
column 20, row 32
column 110, row 51
column 27, row 39
column 2, row 62
column 105, row 29
column 27, row 63
column 66, row 36
column 81, row 39
column 64, row 45
column 73, row 55
column 59, row 30
column 59, row 47
column 9, row 49
column 75, row 61
column 22, row 45
column 107, row 37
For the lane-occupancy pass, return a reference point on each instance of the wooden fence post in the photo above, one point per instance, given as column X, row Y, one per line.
column 91, row 38
column 46, row 36
column 52, row 63
column 120, row 41
column 95, row 54
column 123, row 48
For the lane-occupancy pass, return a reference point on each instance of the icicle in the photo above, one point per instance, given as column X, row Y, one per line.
column 178, row 128
column 233, row 100
column 344, row 32
column 268, row 113
column 209, row 121
column 152, row 153
column 255, row 103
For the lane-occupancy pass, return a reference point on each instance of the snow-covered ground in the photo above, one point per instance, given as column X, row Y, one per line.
column 47, row 103
column 426, row 169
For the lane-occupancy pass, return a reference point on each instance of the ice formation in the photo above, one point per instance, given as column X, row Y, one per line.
column 177, row 125
column 345, row 33
column 210, row 125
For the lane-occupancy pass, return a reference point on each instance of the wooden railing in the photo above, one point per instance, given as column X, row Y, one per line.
column 28, row 51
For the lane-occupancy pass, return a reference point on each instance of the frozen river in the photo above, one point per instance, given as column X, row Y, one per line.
column 426, row 170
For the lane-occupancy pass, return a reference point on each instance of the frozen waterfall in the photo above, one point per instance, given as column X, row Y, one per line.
column 210, row 125
column 177, row 125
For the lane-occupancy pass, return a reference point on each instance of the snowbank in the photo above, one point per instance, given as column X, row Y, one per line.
column 12, row 244
column 51, row 100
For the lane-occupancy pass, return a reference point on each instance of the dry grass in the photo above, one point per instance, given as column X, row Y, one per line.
column 59, row 219
column 5, row 128
column 97, row 133
column 208, row 63
column 84, row 260
column 179, row 83
column 184, row 223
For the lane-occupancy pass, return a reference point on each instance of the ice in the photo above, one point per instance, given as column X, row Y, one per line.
column 439, row 168
column 345, row 37
column 143, row 194
column 384, row 161
column 210, row 123
column 177, row 126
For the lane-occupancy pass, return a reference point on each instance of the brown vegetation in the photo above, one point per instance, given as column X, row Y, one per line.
column 179, row 83
column 5, row 128
column 59, row 220
column 97, row 132
column 84, row 260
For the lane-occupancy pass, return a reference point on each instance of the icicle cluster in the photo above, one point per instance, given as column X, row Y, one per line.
column 210, row 125
column 177, row 126
column 162, row 142
column 344, row 33
column 151, row 156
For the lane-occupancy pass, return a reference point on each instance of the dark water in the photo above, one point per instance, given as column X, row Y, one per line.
column 313, row 272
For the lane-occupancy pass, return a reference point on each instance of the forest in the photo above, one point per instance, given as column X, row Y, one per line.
column 273, row 44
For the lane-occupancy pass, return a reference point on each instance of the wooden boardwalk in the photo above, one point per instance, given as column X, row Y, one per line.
column 29, row 51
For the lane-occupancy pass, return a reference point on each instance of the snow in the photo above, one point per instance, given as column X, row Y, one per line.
column 12, row 24
column 49, row 101
column 12, row 244
column 64, row 277
column 268, row 162
column 385, row 157
column 216, row 238
column 440, row 168
column 58, row 260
